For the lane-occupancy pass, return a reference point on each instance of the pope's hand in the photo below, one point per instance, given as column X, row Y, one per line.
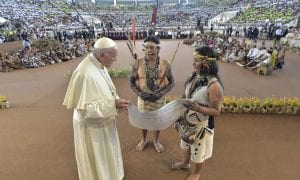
column 122, row 104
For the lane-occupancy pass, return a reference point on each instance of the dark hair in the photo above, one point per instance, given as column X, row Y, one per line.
column 206, row 51
column 209, row 52
column 213, row 69
column 152, row 39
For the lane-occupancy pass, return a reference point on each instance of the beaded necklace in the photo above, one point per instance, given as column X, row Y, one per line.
column 152, row 74
column 197, row 82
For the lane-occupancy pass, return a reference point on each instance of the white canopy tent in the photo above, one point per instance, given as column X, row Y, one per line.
column 3, row 20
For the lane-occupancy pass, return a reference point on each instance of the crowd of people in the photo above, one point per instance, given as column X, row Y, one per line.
column 34, row 23
column 243, row 51
column 44, row 19
column 34, row 55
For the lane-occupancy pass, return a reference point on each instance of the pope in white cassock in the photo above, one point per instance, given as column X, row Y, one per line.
column 93, row 96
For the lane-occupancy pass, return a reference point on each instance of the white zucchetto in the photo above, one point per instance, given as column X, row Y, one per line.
column 104, row 43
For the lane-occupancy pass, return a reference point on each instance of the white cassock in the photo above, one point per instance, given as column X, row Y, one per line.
column 92, row 94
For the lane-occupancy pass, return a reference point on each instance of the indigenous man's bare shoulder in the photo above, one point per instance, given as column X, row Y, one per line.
column 164, row 61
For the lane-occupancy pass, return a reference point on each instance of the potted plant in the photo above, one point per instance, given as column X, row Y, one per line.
column 3, row 102
column 267, row 105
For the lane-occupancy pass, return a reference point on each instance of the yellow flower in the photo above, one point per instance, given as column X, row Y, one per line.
column 170, row 98
column 230, row 100
column 2, row 98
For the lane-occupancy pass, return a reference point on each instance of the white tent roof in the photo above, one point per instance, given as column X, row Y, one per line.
column 2, row 20
column 91, row 19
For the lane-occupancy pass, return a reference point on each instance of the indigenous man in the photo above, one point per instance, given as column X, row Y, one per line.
column 151, row 78
column 93, row 96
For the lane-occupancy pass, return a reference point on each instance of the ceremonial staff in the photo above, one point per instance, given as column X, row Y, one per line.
column 129, row 42
column 130, row 46
column 171, row 62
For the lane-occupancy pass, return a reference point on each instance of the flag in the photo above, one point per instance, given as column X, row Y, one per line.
column 133, row 30
column 154, row 15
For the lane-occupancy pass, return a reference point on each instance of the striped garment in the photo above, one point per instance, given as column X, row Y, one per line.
column 145, row 106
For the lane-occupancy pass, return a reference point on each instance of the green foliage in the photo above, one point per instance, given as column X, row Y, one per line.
column 140, row 8
column 2, row 98
column 213, row 3
column 262, row 13
column 64, row 7
column 116, row 73
column 257, row 105
column 46, row 44
column 9, row 34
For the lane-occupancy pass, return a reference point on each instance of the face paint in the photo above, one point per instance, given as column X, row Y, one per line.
column 151, row 49
column 202, row 63
column 150, row 44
